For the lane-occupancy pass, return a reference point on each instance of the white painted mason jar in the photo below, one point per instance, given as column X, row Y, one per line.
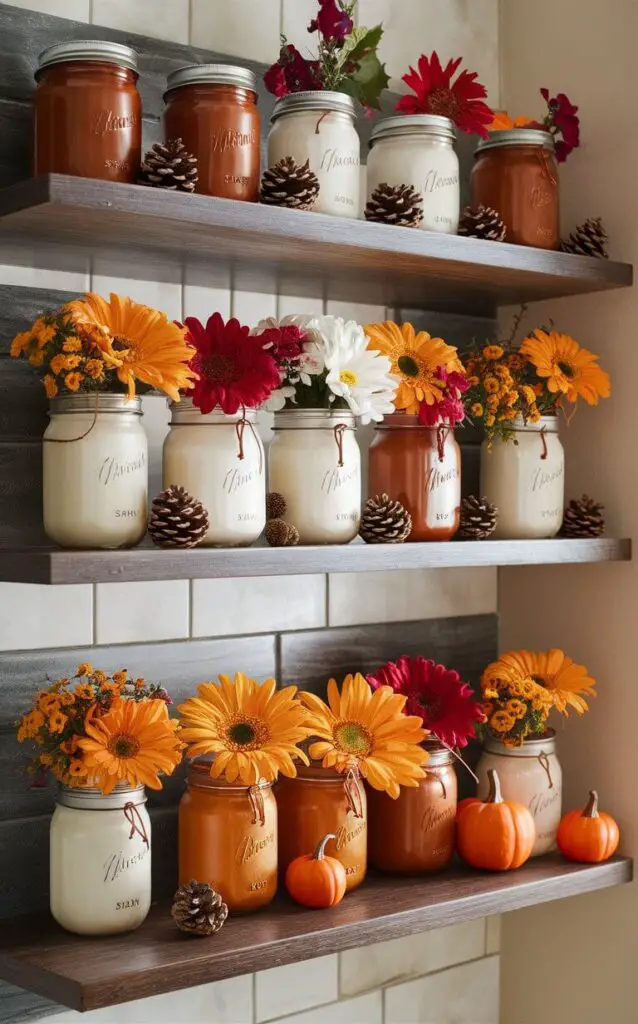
column 418, row 150
column 530, row 774
column 315, row 463
column 100, row 860
column 525, row 479
column 95, row 471
column 320, row 127
column 220, row 460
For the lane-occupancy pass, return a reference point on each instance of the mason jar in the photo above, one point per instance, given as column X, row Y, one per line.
column 315, row 463
column 418, row 150
column 420, row 467
column 100, row 860
column 95, row 471
column 220, row 460
column 227, row 836
column 319, row 127
column 525, row 479
column 531, row 775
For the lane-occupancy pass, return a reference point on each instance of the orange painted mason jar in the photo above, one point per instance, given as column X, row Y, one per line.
column 420, row 467
column 318, row 801
column 414, row 834
column 213, row 109
column 88, row 112
column 227, row 836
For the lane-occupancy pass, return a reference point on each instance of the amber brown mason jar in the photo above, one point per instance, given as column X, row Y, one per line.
column 88, row 112
column 213, row 109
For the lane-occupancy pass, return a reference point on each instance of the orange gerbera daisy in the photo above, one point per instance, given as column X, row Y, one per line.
column 559, row 675
column 133, row 742
column 146, row 345
column 415, row 358
column 252, row 729
column 367, row 730
column 569, row 369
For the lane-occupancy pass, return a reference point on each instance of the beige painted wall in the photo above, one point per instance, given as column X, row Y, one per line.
column 574, row 962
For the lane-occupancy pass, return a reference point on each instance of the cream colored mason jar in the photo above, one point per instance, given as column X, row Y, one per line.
column 220, row 460
column 100, row 860
column 531, row 775
column 525, row 479
column 315, row 462
column 320, row 127
column 418, row 150
column 95, row 471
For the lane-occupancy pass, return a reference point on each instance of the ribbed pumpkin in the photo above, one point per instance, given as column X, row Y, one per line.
column 588, row 836
column 315, row 880
column 495, row 835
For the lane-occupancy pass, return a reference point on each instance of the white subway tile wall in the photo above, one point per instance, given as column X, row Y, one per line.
column 39, row 617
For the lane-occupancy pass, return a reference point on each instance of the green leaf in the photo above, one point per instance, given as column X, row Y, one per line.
column 359, row 42
column 368, row 82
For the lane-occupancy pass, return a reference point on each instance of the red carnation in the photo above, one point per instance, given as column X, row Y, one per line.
column 434, row 93
column 332, row 22
column 234, row 370
column 292, row 73
column 284, row 342
column 436, row 694
column 562, row 120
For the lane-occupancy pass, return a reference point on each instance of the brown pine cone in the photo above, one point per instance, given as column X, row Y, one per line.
column 177, row 519
column 288, row 184
column 583, row 518
column 395, row 204
column 482, row 222
column 275, row 505
column 281, row 534
column 170, row 167
column 198, row 910
column 588, row 239
column 385, row 521
column 478, row 518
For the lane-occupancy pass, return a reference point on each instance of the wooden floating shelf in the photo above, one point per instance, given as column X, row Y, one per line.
column 87, row 973
column 57, row 566
column 67, row 223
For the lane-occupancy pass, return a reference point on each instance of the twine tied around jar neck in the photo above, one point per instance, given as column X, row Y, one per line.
column 72, row 440
column 339, row 430
column 256, row 799
column 240, row 427
column 353, row 793
column 318, row 124
column 546, row 165
column 544, row 440
column 543, row 760
column 440, row 441
column 134, row 819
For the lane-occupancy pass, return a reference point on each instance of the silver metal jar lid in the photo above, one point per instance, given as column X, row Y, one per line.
column 319, row 100
column 212, row 74
column 95, row 50
column 89, row 402
column 83, row 798
column 185, row 413
column 517, row 137
column 534, row 747
column 435, row 127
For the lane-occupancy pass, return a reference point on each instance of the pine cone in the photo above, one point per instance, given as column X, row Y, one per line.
column 385, row 521
column 583, row 518
column 588, row 239
column 275, row 505
column 198, row 909
column 482, row 222
column 177, row 519
column 281, row 534
column 288, row 184
column 169, row 166
column 478, row 518
column 400, row 204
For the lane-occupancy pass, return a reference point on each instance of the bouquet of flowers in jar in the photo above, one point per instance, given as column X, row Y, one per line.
column 561, row 120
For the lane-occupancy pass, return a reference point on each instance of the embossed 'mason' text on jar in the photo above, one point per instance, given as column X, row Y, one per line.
column 88, row 112
column 320, row 127
column 418, row 150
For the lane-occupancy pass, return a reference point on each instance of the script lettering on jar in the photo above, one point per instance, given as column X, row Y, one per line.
column 435, row 478
column 346, row 836
column 113, row 469
column 353, row 869
column 260, row 883
column 249, row 847
column 127, row 904
column 541, row 802
column 432, row 818
column 117, row 165
column 434, row 181
column 127, row 513
column 552, row 513
column 236, row 179
column 107, row 121
column 332, row 159
column 541, row 197
column 541, row 478
column 229, row 138
column 117, row 863
column 235, row 479
column 333, row 479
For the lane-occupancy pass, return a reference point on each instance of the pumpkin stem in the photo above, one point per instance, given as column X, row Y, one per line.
column 320, row 852
column 591, row 811
column 495, row 795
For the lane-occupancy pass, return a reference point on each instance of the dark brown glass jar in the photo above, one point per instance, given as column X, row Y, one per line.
column 88, row 112
column 421, row 468
column 414, row 834
column 517, row 175
column 213, row 108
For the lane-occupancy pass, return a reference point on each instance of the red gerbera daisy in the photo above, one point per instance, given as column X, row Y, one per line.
column 437, row 694
column 234, row 370
column 434, row 93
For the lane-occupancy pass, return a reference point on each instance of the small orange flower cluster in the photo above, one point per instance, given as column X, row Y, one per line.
column 515, row 708
column 498, row 394
column 75, row 356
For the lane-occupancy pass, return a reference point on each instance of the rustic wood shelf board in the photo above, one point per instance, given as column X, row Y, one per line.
column 57, row 566
column 70, row 222
column 86, row 973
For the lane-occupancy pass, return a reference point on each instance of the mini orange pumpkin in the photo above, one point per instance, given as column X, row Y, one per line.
column 588, row 836
column 315, row 880
column 496, row 835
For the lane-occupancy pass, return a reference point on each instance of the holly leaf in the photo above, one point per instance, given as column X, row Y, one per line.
column 368, row 81
column 359, row 42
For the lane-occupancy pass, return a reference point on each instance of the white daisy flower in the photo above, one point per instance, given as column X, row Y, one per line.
column 357, row 374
